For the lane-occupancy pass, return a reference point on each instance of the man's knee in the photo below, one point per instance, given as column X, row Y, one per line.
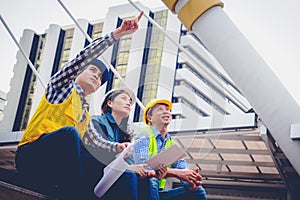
column 70, row 133
column 201, row 193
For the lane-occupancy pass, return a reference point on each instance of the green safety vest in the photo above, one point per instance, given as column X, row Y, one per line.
column 153, row 151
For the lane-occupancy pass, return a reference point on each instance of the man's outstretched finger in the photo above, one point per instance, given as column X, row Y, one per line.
column 140, row 16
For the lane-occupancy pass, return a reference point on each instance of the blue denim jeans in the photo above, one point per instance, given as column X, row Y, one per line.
column 145, row 190
column 180, row 193
column 58, row 164
column 51, row 164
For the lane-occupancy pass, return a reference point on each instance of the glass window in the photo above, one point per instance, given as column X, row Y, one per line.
column 65, row 54
column 122, row 58
column 97, row 30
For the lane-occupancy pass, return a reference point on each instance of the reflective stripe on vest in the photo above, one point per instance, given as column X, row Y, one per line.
column 51, row 117
column 153, row 151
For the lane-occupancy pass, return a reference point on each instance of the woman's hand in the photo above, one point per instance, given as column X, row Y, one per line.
column 139, row 170
column 122, row 146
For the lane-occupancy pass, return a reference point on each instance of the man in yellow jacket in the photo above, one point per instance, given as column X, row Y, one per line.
column 157, row 115
column 49, row 156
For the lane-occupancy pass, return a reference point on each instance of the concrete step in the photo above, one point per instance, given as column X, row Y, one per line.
column 9, row 191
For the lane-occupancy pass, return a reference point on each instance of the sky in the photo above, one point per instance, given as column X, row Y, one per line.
column 271, row 26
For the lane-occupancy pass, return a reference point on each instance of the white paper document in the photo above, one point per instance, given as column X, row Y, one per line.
column 166, row 157
column 113, row 171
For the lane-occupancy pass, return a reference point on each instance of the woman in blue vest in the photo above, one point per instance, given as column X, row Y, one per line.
column 113, row 126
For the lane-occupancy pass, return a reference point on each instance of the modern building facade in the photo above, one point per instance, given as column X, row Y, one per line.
column 209, row 112
column 147, row 61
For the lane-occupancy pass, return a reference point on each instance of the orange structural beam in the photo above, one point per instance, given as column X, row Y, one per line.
column 193, row 9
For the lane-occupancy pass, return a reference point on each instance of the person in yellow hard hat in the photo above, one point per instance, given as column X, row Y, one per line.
column 157, row 115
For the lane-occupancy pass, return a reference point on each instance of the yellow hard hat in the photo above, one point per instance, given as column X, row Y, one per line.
column 153, row 103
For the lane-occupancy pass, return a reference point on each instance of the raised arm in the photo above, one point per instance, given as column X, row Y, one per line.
column 128, row 26
column 68, row 73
